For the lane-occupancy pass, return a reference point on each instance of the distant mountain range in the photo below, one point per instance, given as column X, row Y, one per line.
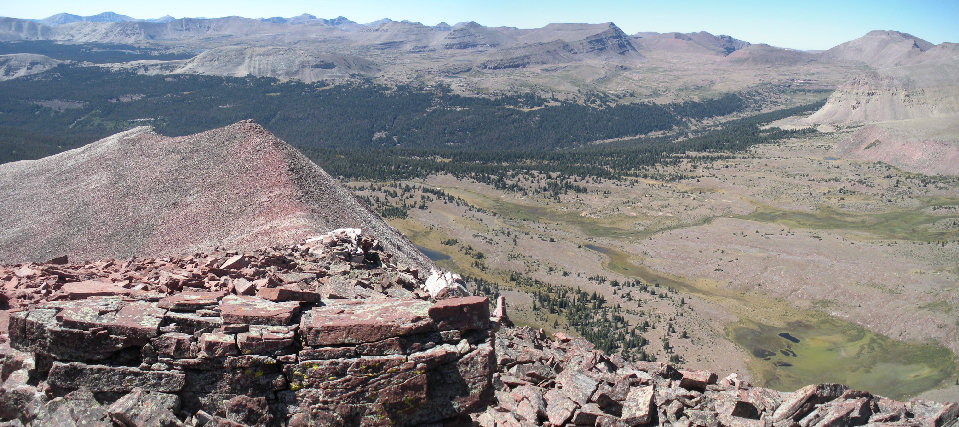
column 884, row 75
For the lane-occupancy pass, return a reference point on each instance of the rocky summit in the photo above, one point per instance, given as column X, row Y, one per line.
column 334, row 331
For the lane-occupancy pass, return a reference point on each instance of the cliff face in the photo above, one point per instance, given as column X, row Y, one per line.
column 332, row 332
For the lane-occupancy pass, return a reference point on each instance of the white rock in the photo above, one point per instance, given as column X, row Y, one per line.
column 443, row 285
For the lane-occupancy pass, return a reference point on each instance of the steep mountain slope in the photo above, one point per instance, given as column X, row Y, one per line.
column 880, row 49
column 139, row 193
column 911, row 79
column 20, row 29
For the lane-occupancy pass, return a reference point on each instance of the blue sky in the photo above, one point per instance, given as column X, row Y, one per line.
column 795, row 24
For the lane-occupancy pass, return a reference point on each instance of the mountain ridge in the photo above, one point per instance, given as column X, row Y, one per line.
column 138, row 192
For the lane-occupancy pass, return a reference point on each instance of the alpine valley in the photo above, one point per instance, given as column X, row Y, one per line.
column 295, row 221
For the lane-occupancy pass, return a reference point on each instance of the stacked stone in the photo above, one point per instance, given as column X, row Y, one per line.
column 327, row 332
column 343, row 264
column 566, row 381
column 259, row 362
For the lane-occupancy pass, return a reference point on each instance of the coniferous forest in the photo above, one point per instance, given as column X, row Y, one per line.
column 337, row 125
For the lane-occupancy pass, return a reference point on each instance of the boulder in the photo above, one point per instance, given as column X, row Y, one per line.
column 441, row 285
column 639, row 407
column 466, row 313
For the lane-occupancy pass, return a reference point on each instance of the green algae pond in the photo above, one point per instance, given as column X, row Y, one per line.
column 830, row 350
column 907, row 224
column 807, row 346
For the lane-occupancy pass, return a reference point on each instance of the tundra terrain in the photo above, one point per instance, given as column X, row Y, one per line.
column 788, row 263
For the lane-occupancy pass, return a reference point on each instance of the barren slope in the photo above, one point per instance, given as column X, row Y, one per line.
column 139, row 193
column 880, row 49
column 24, row 64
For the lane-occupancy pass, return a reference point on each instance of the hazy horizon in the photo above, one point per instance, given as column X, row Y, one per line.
column 813, row 25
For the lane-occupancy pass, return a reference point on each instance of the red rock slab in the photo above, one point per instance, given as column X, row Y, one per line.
column 350, row 322
column 191, row 301
column 138, row 321
column 461, row 313
column 639, row 406
column 257, row 311
column 287, row 293
column 91, row 288
column 696, row 380
column 100, row 378
column 803, row 401
column 559, row 408
column 89, row 313
column 265, row 340
column 174, row 344
column 235, row 263
column 244, row 287
column 218, row 344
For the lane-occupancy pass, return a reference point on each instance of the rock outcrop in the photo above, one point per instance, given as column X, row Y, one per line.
column 565, row 381
column 333, row 332
column 330, row 332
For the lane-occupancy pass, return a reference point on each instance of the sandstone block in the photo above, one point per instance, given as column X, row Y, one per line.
column 353, row 323
column 144, row 408
column 191, row 301
column 235, row 262
column 461, row 313
column 288, row 293
column 638, row 408
column 696, row 380
column 559, row 408
column 174, row 344
column 91, row 288
column 803, row 401
column 257, row 311
column 218, row 344
column 265, row 340
column 577, row 385
column 100, row 378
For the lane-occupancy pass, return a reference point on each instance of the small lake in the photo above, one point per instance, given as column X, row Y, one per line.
column 599, row 249
column 431, row 254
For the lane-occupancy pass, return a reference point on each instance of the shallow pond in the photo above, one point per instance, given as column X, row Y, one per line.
column 815, row 349
column 431, row 254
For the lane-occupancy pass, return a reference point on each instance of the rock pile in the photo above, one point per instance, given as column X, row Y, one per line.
column 332, row 332
column 565, row 381
column 326, row 333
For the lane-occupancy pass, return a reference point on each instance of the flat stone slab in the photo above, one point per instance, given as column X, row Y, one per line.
column 353, row 322
column 100, row 378
column 287, row 293
column 257, row 311
column 191, row 301
column 91, row 288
